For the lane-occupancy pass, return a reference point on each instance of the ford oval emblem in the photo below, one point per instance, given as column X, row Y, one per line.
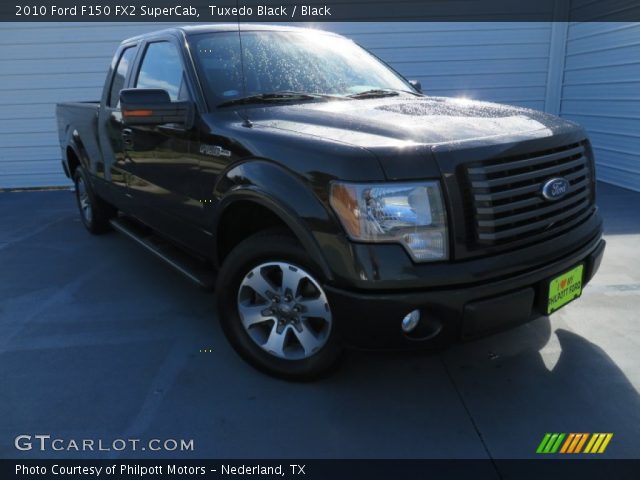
column 555, row 189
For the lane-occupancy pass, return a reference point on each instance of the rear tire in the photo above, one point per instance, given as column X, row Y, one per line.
column 95, row 213
column 273, row 308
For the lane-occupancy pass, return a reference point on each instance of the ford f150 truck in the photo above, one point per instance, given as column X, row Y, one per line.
column 328, row 200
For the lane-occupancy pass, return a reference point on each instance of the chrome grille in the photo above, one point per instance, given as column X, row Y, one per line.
column 506, row 194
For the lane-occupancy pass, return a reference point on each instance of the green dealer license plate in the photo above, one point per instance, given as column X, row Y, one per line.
column 564, row 288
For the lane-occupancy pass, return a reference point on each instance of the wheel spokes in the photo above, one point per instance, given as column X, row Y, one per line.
column 83, row 200
column 291, row 278
column 309, row 342
column 259, row 284
column 275, row 341
column 316, row 307
column 254, row 314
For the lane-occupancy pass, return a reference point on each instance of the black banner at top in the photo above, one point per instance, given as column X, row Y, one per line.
column 216, row 11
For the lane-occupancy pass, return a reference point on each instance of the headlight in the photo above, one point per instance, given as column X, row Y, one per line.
column 411, row 214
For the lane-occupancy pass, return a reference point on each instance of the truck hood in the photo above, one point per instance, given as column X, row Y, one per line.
column 406, row 120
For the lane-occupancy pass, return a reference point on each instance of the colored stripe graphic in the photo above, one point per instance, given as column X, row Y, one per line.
column 552, row 440
column 550, row 443
column 581, row 442
column 556, row 445
column 544, row 441
column 567, row 442
column 591, row 442
column 574, row 442
column 576, row 438
column 598, row 443
column 605, row 443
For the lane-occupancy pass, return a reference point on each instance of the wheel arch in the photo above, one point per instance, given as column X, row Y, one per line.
column 281, row 199
column 75, row 153
column 260, row 212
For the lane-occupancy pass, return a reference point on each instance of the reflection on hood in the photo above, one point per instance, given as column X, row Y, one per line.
column 406, row 120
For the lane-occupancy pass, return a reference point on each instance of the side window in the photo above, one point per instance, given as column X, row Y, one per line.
column 117, row 82
column 162, row 68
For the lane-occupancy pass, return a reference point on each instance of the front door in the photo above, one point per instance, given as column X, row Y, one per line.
column 112, row 167
column 162, row 160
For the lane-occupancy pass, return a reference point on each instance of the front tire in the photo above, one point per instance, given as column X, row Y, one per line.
column 274, row 310
column 95, row 213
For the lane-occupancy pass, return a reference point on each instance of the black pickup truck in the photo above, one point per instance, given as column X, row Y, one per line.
column 328, row 199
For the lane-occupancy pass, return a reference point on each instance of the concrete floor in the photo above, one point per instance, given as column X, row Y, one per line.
column 99, row 339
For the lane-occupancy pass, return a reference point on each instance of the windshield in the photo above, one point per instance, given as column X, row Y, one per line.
column 281, row 61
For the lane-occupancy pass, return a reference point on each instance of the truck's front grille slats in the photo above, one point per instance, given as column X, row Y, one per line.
column 533, row 175
column 530, row 227
column 505, row 195
column 530, row 162
column 512, row 193
column 523, row 203
column 529, row 214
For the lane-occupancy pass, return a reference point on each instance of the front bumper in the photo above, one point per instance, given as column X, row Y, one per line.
column 372, row 320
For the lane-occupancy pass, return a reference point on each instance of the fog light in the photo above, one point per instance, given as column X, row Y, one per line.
column 410, row 321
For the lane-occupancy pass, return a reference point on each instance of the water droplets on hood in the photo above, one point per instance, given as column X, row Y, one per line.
column 448, row 107
column 407, row 120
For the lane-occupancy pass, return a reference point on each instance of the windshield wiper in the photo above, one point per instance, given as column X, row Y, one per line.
column 284, row 96
column 375, row 93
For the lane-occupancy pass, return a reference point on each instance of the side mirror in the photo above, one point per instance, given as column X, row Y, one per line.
column 416, row 84
column 152, row 106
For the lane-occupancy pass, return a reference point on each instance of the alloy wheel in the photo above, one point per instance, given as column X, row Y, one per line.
column 284, row 310
column 84, row 201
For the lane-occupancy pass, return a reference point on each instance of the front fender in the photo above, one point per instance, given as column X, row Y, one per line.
column 289, row 196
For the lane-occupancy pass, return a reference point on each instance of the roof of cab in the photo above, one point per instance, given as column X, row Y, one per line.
column 224, row 27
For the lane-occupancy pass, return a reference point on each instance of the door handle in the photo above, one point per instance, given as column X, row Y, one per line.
column 127, row 137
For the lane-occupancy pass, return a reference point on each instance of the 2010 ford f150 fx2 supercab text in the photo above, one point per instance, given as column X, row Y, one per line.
column 337, row 205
